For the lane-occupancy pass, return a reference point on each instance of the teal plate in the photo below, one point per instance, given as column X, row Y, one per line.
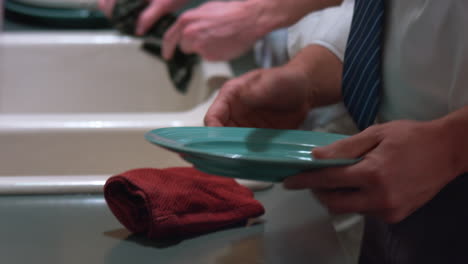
column 247, row 153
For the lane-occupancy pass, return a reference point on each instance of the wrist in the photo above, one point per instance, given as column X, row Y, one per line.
column 268, row 17
column 299, row 79
column 274, row 14
column 453, row 129
column 322, row 72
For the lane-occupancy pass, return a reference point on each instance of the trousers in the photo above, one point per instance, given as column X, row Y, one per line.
column 435, row 233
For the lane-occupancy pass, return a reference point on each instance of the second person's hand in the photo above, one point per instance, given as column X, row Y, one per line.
column 155, row 10
column 265, row 98
column 216, row 30
column 279, row 97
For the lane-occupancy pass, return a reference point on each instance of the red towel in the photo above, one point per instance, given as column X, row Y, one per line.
column 178, row 202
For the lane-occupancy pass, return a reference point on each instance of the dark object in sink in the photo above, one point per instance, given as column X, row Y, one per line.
column 180, row 66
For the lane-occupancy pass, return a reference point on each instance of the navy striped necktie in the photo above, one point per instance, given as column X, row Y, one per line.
column 362, row 72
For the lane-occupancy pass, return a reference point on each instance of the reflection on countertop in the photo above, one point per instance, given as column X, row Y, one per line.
column 80, row 229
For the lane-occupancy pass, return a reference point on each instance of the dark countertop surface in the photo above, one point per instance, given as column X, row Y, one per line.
column 81, row 229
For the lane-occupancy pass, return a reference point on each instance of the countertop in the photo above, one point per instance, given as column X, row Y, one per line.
column 70, row 229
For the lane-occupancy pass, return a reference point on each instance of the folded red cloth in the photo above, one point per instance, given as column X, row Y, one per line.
column 178, row 202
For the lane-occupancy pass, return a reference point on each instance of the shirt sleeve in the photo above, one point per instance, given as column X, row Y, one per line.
column 328, row 28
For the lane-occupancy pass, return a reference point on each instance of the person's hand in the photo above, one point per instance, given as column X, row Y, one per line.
column 265, row 98
column 155, row 10
column 279, row 97
column 215, row 30
column 405, row 164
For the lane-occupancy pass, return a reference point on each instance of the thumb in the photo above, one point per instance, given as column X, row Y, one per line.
column 349, row 148
column 148, row 17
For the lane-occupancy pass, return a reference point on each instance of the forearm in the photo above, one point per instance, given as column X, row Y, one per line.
column 276, row 14
column 322, row 70
column 454, row 128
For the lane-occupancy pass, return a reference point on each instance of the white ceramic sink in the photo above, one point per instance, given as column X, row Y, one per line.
column 58, row 73
column 74, row 108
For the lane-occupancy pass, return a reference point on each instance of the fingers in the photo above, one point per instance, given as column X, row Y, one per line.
column 358, row 176
column 171, row 38
column 231, row 100
column 174, row 35
column 341, row 190
column 189, row 33
column 352, row 147
column 149, row 16
column 329, row 178
column 219, row 112
column 101, row 5
column 348, row 189
column 188, row 41
column 344, row 201
column 107, row 6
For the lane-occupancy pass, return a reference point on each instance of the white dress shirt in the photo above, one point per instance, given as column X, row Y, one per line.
column 328, row 28
column 425, row 59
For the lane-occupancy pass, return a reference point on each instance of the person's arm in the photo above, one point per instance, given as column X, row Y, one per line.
column 279, row 97
column 279, row 13
column 455, row 127
column 224, row 30
column 323, row 72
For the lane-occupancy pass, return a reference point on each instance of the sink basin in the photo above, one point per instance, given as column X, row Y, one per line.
column 74, row 108
column 56, row 73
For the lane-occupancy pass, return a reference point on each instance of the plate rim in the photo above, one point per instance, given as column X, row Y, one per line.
column 150, row 136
